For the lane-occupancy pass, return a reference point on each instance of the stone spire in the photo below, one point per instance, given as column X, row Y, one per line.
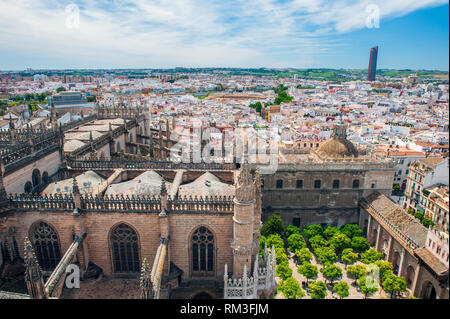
column 245, row 191
column 76, row 196
column 163, row 198
column 145, row 283
column 33, row 274
column 54, row 122
column 91, row 141
column 75, row 189
column 12, row 129
column 3, row 195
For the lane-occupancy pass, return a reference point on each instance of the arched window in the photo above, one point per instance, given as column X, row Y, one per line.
column 125, row 249
column 428, row 291
column 46, row 244
column 356, row 183
column 28, row 187
column 202, row 250
column 36, row 177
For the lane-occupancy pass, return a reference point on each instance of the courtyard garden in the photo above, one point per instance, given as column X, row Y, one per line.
column 328, row 262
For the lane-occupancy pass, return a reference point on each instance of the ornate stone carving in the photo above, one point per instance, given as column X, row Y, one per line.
column 245, row 191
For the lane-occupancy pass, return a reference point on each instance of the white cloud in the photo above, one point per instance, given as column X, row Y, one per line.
column 165, row 33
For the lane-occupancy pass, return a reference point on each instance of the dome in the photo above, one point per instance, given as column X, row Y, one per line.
column 337, row 146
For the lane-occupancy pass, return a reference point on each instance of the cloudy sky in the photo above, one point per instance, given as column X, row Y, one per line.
column 237, row 33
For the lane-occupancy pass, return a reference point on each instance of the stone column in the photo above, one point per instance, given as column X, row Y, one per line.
column 402, row 261
column 416, row 278
column 377, row 245
column 368, row 226
column 388, row 255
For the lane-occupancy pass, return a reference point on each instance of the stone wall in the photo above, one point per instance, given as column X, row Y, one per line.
column 14, row 182
column 146, row 225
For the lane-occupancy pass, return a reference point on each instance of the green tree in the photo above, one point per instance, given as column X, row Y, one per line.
column 280, row 255
column 291, row 229
column 317, row 289
column 371, row 256
column 330, row 231
column 317, row 241
column 91, row 99
column 351, row 230
column 60, row 89
column 308, row 270
column 313, row 230
column 304, row 255
column 385, row 268
column 356, row 271
column 291, row 289
column 394, row 285
column 418, row 215
column 342, row 289
column 331, row 273
column 427, row 222
column 296, row 242
column 348, row 257
column 283, row 271
column 262, row 244
column 257, row 106
column 340, row 241
column 274, row 240
column 326, row 255
column 367, row 285
column 360, row 244
column 273, row 225
column 41, row 97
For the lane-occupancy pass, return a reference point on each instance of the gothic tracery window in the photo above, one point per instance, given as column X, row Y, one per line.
column 202, row 250
column 46, row 244
column 125, row 249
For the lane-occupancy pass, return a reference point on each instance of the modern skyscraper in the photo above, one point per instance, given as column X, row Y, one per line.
column 372, row 64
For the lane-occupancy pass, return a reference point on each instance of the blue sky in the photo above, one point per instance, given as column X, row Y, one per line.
column 235, row 33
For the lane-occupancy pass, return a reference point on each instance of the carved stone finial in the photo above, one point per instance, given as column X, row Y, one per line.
column 75, row 189
column 33, row 273
column 163, row 189
column 245, row 191
column 244, row 177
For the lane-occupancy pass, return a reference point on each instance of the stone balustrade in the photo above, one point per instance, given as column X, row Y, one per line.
column 247, row 287
column 137, row 204
column 73, row 164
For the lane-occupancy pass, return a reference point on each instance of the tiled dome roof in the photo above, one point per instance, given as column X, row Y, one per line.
column 335, row 148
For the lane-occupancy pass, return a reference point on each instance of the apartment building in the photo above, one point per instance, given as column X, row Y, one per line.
column 422, row 174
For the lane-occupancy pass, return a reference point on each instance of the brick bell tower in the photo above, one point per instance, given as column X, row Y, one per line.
column 243, row 221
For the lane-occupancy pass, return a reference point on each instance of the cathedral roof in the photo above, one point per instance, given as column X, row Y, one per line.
column 146, row 184
column 206, row 185
column 86, row 183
